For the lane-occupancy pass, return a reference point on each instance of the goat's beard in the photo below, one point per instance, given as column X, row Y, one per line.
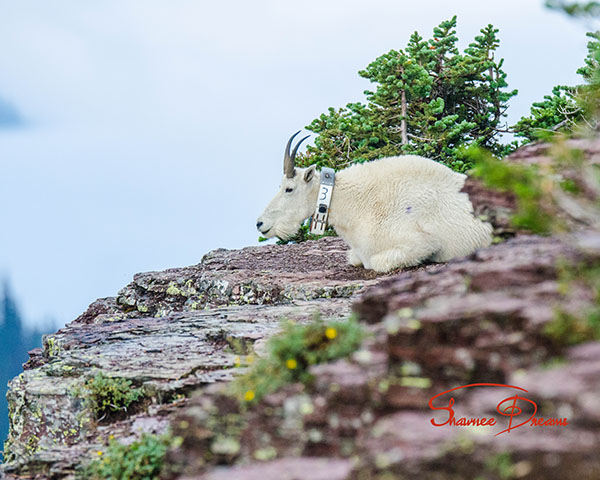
column 285, row 233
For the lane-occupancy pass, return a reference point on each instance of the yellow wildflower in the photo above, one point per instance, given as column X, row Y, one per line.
column 249, row 395
column 291, row 363
column 100, row 453
column 331, row 333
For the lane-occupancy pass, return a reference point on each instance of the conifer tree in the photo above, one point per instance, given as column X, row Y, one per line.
column 576, row 9
column 567, row 106
column 15, row 341
column 429, row 99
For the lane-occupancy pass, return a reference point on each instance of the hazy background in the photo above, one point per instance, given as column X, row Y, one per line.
column 138, row 135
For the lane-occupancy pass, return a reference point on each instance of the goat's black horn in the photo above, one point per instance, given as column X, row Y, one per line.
column 296, row 147
column 289, row 166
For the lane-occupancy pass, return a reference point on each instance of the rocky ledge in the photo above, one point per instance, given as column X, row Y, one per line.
column 170, row 333
column 483, row 319
column 507, row 315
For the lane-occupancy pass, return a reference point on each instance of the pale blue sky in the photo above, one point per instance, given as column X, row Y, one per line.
column 154, row 130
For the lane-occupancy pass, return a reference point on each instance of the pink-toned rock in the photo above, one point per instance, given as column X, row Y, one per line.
column 303, row 468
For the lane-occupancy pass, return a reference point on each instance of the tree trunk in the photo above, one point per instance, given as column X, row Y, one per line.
column 403, row 126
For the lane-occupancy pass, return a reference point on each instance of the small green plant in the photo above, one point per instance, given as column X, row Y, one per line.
column 293, row 351
column 107, row 395
column 569, row 328
column 501, row 464
column 302, row 235
column 140, row 460
column 530, row 188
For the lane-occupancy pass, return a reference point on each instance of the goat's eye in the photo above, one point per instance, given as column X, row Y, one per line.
column 289, row 190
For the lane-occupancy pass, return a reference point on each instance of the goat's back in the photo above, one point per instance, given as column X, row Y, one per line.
column 407, row 171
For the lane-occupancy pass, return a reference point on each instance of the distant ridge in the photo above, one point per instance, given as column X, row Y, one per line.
column 9, row 116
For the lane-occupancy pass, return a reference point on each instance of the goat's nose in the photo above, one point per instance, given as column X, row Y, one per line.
column 259, row 224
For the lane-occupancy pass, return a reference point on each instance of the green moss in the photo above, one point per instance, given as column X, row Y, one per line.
column 107, row 395
column 293, row 351
column 142, row 459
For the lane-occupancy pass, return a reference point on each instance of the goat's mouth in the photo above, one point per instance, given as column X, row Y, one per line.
column 264, row 232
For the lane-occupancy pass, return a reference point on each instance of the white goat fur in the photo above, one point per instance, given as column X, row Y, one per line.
column 394, row 212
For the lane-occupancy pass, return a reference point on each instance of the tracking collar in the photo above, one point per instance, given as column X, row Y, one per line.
column 318, row 222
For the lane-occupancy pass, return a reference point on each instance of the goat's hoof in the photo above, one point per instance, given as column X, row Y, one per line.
column 354, row 259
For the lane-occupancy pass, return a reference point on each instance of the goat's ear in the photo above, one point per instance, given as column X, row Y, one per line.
column 309, row 174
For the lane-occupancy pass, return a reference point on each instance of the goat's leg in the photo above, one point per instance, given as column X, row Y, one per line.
column 409, row 252
column 353, row 258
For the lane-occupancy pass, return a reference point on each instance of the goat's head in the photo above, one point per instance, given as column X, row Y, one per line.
column 294, row 202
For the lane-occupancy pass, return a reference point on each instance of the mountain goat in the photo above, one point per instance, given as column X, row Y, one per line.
column 393, row 212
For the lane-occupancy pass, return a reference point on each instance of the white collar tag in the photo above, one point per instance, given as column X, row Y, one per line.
column 318, row 222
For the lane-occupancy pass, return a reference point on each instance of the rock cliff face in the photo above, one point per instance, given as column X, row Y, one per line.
column 477, row 320
column 487, row 318
column 169, row 332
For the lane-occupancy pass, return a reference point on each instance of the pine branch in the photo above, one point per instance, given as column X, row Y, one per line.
column 420, row 138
